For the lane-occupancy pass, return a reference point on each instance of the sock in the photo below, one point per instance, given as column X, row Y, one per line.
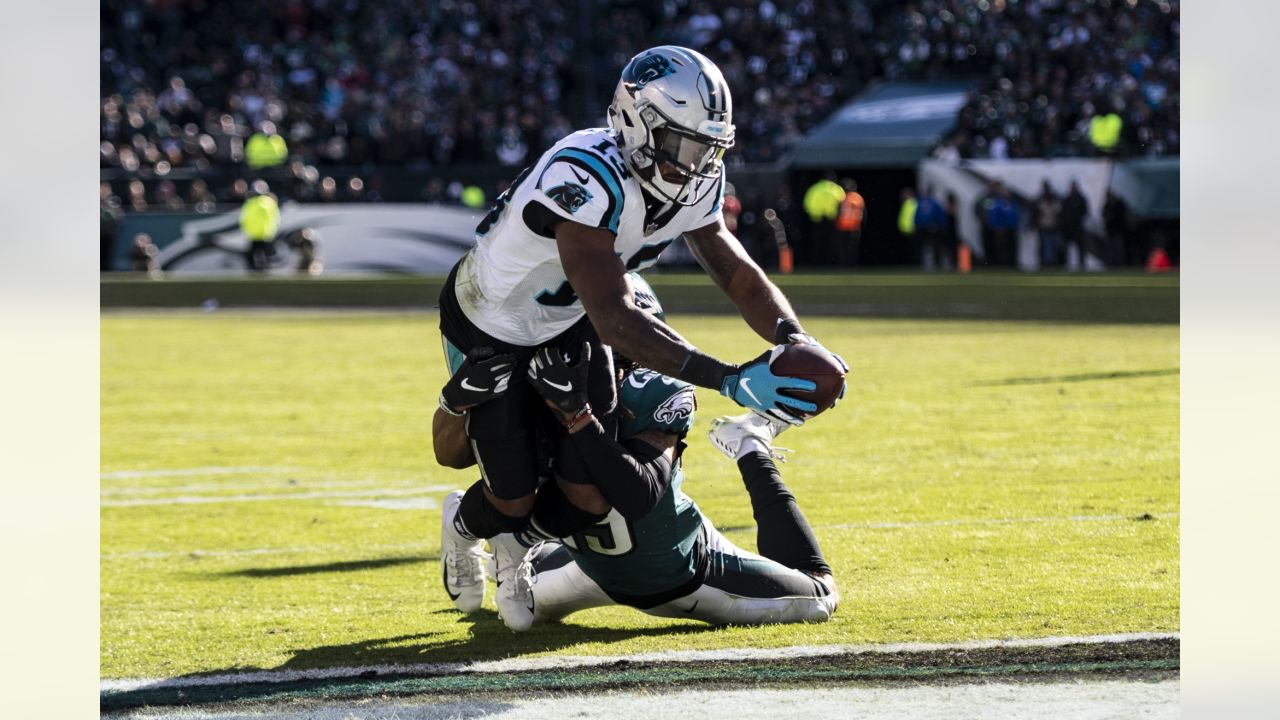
column 750, row 445
column 782, row 532
column 478, row 518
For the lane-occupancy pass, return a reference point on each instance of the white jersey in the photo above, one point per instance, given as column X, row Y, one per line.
column 511, row 284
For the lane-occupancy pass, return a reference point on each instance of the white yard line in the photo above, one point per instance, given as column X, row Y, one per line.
column 259, row 486
column 276, row 497
column 856, row 526
column 181, row 472
column 989, row 521
column 302, row 550
column 576, row 661
column 416, row 503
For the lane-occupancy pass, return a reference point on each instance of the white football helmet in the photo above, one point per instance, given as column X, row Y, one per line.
column 674, row 117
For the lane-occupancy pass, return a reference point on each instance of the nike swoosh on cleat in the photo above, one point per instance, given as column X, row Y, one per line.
column 468, row 386
column 444, row 575
column 693, row 607
column 563, row 388
column 746, row 388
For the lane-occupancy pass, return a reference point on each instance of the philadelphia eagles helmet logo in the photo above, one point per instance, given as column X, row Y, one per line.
column 677, row 407
column 647, row 69
column 570, row 196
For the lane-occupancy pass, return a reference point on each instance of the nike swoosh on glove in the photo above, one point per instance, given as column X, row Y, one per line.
column 484, row 375
column 755, row 387
column 559, row 383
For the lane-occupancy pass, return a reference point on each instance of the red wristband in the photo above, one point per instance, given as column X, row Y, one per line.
column 584, row 411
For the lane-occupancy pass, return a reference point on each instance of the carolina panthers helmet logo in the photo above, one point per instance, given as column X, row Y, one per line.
column 570, row 196
column 647, row 69
column 677, row 407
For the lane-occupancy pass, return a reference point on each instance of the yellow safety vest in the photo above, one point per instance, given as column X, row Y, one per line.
column 822, row 199
column 260, row 218
column 264, row 151
column 907, row 217
column 1104, row 131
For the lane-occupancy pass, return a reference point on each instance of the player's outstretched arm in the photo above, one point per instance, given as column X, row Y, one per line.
column 598, row 278
column 759, row 301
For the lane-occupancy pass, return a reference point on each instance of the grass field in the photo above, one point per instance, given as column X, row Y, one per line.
column 269, row 498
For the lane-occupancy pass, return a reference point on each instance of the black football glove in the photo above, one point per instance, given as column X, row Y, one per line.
column 484, row 375
column 561, row 384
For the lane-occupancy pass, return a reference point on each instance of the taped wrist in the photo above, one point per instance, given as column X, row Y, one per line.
column 448, row 409
column 785, row 328
column 705, row 371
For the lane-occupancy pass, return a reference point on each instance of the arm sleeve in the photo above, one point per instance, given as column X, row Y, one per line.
column 632, row 475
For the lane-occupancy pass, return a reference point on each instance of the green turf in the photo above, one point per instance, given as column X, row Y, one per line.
column 981, row 480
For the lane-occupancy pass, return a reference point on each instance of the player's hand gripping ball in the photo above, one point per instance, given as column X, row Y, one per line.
column 816, row 363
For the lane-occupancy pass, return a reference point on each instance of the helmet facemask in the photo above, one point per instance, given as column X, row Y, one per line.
column 679, row 165
column 662, row 111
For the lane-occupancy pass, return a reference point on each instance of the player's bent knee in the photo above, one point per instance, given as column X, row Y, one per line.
column 514, row 510
column 587, row 498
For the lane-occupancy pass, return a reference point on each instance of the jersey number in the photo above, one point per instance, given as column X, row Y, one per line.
column 610, row 151
column 611, row 536
column 564, row 296
column 501, row 203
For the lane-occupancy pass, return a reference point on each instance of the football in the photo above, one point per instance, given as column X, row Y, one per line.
column 811, row 363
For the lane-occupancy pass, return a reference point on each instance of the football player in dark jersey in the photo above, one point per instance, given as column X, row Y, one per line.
column 652, row 549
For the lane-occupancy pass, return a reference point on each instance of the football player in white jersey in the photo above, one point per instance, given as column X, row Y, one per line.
column 651, row 548
column 549, row 267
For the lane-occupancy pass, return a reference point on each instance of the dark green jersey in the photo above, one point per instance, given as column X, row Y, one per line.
column 655, row 554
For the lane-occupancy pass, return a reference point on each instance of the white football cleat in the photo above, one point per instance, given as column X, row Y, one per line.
column 461, row 559
column 515, row 581
column 727, row 434
column 832, row 600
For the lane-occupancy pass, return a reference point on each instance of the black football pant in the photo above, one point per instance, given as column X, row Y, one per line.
column 509, row 450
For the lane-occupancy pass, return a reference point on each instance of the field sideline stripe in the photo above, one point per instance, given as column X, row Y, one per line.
column 587, row 682
column 580, row 661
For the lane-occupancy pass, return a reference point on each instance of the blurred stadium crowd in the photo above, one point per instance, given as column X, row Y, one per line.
column 443, row 101
column 185, row 84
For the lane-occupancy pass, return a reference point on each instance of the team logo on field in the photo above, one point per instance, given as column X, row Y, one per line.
column 649, row 68
column 570, row 196
column 677, row 407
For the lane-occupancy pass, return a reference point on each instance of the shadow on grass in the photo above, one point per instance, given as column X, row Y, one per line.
column 334, row 567
column 1085, row 377
column 488, row 639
